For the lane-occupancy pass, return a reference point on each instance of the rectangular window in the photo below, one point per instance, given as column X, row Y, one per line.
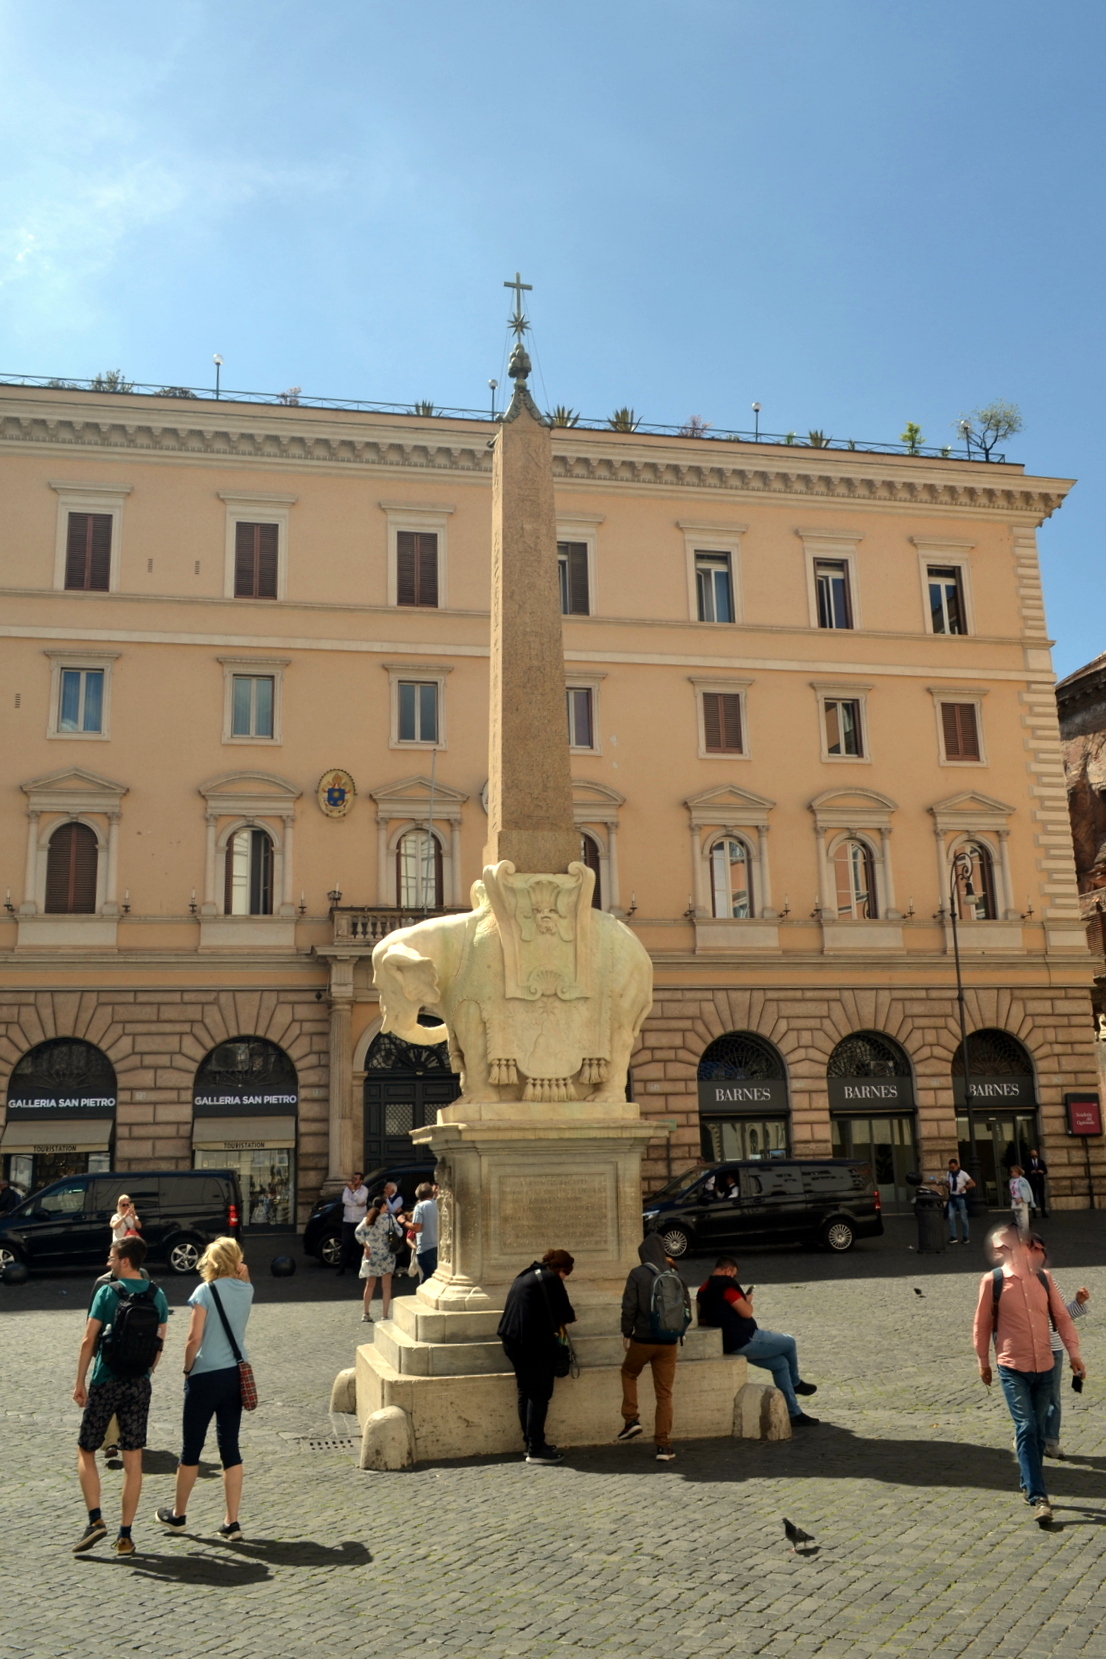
column 842, row 717
column 714, row 587
column 255, row 560
column 572, row 568
column 252, row 708
column 88, row 552
column 722, row 723
column 416, row 567
column 81, row 700
column 581, row 727
column 960, row 729
column 418, row 711
column 946, row 600
column 831, row 580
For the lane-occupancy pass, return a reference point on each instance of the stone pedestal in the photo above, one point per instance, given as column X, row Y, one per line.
column 515, row 1182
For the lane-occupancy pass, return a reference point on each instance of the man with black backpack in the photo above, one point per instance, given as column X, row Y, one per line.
column 126, row 1330
column 656, row 1311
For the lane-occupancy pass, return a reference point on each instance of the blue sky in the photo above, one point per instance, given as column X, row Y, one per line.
column 858, row 212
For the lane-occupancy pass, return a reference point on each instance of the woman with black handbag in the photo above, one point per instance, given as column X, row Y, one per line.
column 536, row 1342
column 218, row 1380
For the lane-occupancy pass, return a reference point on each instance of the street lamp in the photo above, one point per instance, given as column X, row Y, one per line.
column 218, row 361
column 962, row 872
column 756, row 423
column 493, row 387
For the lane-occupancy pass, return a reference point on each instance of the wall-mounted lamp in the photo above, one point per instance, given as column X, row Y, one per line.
column 126, row 901
column 910, row 908
column 786, row 911
column 633, row 904
column 303, row 902
column 816, row 913
column 1028, row 911
column 192, row 902
column 8, row 905
column 689, row 913
column 335, row 896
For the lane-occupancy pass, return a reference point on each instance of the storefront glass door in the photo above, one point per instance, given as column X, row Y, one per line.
column 1001, row 1139
column 887, row 1143
column 267, row 1178
column 725, row 1138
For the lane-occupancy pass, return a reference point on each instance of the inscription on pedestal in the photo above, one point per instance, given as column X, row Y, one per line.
column 542, row 1212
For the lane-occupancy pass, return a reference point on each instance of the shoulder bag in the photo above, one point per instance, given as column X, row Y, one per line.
column 245, row 1370
column 565, row 1362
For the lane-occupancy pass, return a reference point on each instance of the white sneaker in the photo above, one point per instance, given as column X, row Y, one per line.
column 1042, row 1513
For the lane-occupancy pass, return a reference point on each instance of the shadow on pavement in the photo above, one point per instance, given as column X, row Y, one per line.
column 165, row 1463
column 302, row 1552
column 211, row 1572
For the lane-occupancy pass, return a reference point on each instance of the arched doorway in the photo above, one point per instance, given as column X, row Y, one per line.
column 1003, row 1106
column 405, row 1084
column 61, row 1113
column 871, row 1099
column 743, row 1104
column 245, row 1105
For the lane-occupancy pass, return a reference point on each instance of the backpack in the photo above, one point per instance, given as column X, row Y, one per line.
column 996, row 1291
column 669, row 1305
column 129, row 1345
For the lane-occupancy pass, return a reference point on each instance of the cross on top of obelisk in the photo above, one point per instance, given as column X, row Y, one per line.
column 517, row 320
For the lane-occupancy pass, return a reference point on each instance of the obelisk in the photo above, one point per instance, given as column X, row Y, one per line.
column 530, row 819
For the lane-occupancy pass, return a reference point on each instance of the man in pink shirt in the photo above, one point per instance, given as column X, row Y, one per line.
column 1018, row 1319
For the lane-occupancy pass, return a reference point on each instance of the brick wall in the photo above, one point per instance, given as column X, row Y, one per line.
column 156, row 1038
column 1054, row 1025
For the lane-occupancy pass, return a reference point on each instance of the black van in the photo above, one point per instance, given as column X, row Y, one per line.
column 827, row 1201
column 67, row 1224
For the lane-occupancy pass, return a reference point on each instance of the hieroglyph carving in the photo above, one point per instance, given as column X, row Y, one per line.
column 541, row 996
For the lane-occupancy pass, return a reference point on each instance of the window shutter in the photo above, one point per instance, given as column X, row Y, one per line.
column 406, row 589
column 961, row 731
column 712, row 720
column 75, row 546
column 575, row 555
column 99, row 557
column 267, row 544
column 71, row 871
column 731, row 722
column 244, row 561
column 426, row 560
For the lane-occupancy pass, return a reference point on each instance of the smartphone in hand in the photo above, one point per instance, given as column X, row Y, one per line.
column 1077, row 1384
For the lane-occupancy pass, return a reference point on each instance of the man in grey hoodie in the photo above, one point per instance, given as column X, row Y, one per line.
column 644, row 1347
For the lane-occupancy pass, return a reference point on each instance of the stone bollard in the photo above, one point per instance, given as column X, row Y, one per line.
column 760, row 1413
column 343, row 1396
column 388, row 1441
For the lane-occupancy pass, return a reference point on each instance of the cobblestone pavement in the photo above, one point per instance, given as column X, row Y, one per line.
column 909, row 1488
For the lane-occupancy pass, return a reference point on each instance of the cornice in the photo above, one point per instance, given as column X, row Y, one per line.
column 275, row 437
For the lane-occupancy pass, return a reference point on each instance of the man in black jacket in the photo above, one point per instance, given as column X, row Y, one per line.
column 537, row 1306
column 1036, row 1169
column 645, row 1348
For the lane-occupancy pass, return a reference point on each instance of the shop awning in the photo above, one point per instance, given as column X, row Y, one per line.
column 242, row 1134
column 58, row 1135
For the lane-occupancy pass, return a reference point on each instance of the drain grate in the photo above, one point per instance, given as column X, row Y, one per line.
column 308, row 1443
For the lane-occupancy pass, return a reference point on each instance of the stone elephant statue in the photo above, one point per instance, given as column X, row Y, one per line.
column 541, row 997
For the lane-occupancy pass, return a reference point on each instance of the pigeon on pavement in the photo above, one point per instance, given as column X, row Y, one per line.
column 795, row 1535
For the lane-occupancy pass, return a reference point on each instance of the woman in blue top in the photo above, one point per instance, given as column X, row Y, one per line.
column 212, row 1388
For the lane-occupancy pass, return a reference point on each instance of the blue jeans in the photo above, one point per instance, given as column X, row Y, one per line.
column 958, row 1206
column 777, row 1354
column 1052, row 1421
column 1028, row 1397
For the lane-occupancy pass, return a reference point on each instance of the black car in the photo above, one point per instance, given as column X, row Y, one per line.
column 322, row 1236
column 68, row 1223
column 827, row 1201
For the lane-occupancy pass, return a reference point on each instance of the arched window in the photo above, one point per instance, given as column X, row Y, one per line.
column 247, row 1066
column 248, row 889
column 740, row 1056
column 589, row 855
column 71, row 871
column 855, row 881
column 975, row 894
column 993, row 1054
column 731, row 879
column 868, row 1054
column 419, row 871
column 62, row 1068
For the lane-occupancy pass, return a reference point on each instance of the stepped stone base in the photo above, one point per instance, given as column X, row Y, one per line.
column 446, row 1372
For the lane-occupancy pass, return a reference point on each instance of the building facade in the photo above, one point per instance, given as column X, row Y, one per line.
column 244, row 667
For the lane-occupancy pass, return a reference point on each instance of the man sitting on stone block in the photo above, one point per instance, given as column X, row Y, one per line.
column 723, row 1304
column 535, row 1314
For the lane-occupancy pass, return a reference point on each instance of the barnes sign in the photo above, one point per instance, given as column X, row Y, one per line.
column 727, row 1096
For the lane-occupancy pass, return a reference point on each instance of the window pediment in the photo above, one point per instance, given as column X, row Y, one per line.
column 412, row 798
column 970, row 810
column 73, row 789
column 728, row 804
column 844, row 808
column 250, row 794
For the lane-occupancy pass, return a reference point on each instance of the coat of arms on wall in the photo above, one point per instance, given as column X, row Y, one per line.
column 335, row 793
